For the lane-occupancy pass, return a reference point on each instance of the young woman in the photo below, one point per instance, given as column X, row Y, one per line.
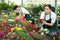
column 50, row 20
column 22, row 10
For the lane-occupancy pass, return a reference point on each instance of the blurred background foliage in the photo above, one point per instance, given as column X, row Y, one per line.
column 33, row 9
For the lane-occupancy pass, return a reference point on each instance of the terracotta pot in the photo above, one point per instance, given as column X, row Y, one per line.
column 21, row 39
column 1, row 28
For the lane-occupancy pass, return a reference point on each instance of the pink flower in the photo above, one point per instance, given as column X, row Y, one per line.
column 36, row 33
column 33, row 30
column 12, row 36
column 16, row 19
column 24, row 27
column 0, row 22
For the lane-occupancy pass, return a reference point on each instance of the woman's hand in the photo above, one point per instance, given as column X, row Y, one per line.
column 22, row 15
column 49, row 24
column 44, row 22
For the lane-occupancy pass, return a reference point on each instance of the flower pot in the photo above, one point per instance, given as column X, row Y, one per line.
column 1, row 28
column 21, row 39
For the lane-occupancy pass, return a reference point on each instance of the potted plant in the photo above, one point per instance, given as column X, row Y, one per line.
column 1, row 26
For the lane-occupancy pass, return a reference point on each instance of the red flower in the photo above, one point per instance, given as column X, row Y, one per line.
column 4, row 21
column 23, row 20
column 9, row 28
column 41, row 20
column 1, row 34
column 35, row 27
column 29, row 24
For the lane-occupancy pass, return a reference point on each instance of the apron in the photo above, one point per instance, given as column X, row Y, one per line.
column 53, row 29
column 27, row 16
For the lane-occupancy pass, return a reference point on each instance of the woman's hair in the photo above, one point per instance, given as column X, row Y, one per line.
column 53, row 9
column 50, row 7
column 15, row 6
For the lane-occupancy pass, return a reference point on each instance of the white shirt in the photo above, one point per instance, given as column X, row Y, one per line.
column 24, row 10
column 53, row 16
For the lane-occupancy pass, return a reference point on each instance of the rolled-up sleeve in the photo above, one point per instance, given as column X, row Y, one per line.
column 53, row 18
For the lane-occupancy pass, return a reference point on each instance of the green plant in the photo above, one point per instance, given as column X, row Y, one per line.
column 35, row 10
column 5, row 7
column 36, row 36
column 24, row 35
column 58, row 10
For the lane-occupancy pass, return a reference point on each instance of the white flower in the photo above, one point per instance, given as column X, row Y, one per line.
column 11, row 20
column 29, row 21
column 45, row 29
column 41, row 28
column 42, row 33
column 46, row 32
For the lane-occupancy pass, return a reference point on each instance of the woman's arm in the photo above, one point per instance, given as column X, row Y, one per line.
column 49, row 24
column 22, row 15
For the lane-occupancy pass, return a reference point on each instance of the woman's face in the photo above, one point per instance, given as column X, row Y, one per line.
column 47, row 10
column 18, row 8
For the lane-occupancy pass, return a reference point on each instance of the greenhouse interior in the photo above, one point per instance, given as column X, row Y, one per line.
column 29, row 19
